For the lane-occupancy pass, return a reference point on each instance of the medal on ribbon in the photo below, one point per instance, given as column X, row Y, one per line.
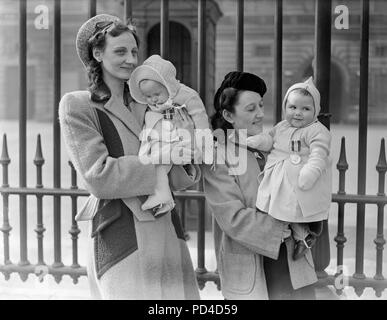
column 296, row 147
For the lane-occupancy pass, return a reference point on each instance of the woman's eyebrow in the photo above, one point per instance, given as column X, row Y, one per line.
column 115, row 48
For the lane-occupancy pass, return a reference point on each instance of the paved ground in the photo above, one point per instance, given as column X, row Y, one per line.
column 15, row 289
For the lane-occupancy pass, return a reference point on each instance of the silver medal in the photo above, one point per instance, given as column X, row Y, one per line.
column 295, row 158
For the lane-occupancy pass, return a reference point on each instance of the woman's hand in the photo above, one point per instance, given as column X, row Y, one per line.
column 185, row 124
column 183, row 120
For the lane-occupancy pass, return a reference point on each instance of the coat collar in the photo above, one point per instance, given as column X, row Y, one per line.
column 133, row 119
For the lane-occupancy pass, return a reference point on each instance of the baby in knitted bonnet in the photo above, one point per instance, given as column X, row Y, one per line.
column 154, row 83
column 295, row 185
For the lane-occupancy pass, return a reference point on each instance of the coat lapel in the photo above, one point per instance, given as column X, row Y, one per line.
column 138, row 110
column 132, row 120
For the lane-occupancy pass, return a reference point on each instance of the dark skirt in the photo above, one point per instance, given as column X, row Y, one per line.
column 278, row 281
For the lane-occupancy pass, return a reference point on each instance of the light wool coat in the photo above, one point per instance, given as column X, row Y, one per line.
column 279, row 192
column 157, row 264
column 243, row 235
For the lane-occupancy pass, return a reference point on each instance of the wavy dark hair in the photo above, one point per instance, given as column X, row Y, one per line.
column 100, row 92
column 224, row 100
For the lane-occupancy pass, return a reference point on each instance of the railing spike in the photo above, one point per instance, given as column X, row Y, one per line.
column 4, row 159
column 342, row 164
column 39, row 160
column 359, row 291
column 382, row 163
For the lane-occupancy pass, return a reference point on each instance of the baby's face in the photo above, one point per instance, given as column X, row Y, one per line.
column 154, row 92
column 299, row 110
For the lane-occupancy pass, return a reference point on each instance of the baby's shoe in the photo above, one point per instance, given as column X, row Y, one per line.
column 302, row 246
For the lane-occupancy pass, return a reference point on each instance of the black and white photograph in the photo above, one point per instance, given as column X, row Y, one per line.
column 194, row 150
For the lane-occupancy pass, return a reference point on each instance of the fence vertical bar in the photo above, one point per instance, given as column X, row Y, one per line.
column 128, row 9
column 23, row 133
column 239, row 34
column 92, row 8
column 6, row 228
column 202, row 91
column 381, row 167
column 39, row 161
column 56, row 131
column 183, row 217
column 322, row 49
column 74, row 231
column 164, row 29
column 278, row 35
column 362, row 153
column 340, row 238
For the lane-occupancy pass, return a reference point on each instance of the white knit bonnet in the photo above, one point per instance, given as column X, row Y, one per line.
column 309, row 86
column 157, row 69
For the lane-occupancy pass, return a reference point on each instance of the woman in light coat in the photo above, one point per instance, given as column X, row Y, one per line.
column 254, row 250
column 133, row 255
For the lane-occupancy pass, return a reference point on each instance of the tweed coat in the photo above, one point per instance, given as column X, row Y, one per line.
column 244, row 235
column 132, row 255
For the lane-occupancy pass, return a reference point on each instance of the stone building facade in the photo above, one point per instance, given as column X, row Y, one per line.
column 298, row 52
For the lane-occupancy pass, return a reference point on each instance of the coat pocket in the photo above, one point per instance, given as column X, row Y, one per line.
column 237, row 272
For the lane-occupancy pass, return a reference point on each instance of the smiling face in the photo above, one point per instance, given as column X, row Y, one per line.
column 299, row 109
column 154, row 92
column 119, row 57
column 248, row 113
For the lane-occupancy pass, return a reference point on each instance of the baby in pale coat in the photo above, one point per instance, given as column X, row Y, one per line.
column 296, row 182
column 154, row 83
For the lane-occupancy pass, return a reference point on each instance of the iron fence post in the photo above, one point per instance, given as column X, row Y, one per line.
column 56, row 133
column 92, row 8
column 164, row 29
column 381, row 167
column 6, row 228
column 201, row 269
column 362, row 153
column 127, row 9
column 23, row 134
column 39, row 161
column 340, row 238
column 322, row 49
column 278, row 35
column 239, row 34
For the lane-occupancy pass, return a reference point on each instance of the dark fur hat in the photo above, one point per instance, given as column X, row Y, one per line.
column 241, row 81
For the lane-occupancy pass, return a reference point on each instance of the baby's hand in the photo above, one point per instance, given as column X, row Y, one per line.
column 308, row 177
column 263, row 142
column 254, row 141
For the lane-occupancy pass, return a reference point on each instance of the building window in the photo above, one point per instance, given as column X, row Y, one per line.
column 381, row 51
column 262, row 51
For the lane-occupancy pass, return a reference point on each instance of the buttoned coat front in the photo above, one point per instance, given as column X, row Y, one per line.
column 242, row 234
column 132, row 254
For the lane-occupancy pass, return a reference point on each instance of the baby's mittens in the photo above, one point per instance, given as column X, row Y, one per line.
column 308, row 177
column 263, row 142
